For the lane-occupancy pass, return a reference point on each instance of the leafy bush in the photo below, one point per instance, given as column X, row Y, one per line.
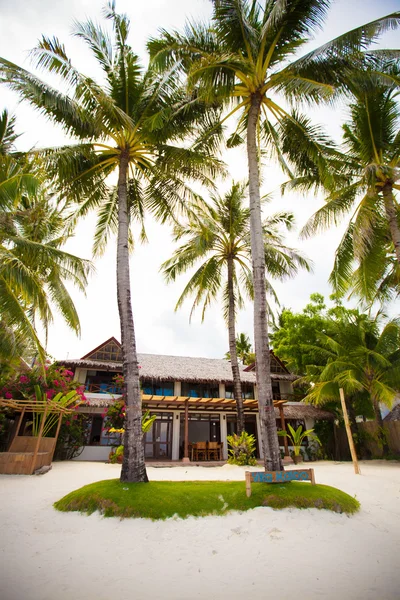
column 242, row 449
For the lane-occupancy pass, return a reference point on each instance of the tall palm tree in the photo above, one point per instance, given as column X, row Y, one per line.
column 359, row 358
column 361, row 178
column 33, row 266
column 126, row 123
column 218, row 236
column 243, row 59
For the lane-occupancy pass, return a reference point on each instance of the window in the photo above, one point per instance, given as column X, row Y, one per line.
column 158, row 388
column 247, row 390
column 200, row 390
column 109, row 352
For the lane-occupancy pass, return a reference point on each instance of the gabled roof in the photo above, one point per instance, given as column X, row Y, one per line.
column 275, row 361
column 394, row 414
column 111, row 346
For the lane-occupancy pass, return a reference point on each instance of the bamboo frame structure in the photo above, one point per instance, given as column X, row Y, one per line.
column 25, row 454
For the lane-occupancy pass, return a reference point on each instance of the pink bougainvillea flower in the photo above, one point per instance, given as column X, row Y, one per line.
column 23, row 379
column 68, row 423
column 56, row 382
column 75, row 417
column 50, row 393
column 8, row 395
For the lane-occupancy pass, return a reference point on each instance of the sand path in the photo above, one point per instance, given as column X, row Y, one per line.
column 47, row 555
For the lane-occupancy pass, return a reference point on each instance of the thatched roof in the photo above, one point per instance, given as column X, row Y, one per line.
column 160, row 367
column 394, row 414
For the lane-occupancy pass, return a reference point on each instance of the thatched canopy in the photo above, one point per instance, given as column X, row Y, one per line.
column 160, row 367
column 394, row 414
column 291, row 411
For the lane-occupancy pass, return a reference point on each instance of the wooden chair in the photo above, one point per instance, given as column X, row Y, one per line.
column 200, row 451
column 214, row 451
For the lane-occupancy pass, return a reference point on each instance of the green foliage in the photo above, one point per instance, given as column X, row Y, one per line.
column 297, row 437
column 33, row 267
column 72, row 436
column 116, row 455
column 242, row 449
column 244, row 350
column 164, row 499
column 294, row 340
column 218, row 233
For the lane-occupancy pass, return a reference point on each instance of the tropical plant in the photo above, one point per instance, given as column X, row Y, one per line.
column 33, row 267
column 243, row 59
column 147, row 423
column 218, row 236
column 297, row 437
column 361, row 359
column 242, row 449
column 244, row 349
column 128, row 123
column 361, row 178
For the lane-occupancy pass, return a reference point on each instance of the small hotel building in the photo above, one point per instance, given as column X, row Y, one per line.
column 187, row 394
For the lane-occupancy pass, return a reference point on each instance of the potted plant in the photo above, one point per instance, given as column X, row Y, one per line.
column 296, row 438
column 117, row 455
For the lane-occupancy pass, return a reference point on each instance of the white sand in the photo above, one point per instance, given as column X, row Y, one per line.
column 286, row 554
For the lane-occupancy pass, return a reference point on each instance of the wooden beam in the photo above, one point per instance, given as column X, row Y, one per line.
column 283, row 425
column 349, row 435
column 186, row 442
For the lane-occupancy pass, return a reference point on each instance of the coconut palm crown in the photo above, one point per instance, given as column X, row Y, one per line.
column 217, row 235
column 128, row 123
column 246, row 58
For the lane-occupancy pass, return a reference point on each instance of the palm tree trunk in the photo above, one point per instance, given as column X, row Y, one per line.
column 379, row 421
column 269, row 437
column 133, row 465
column 391, row 215
column 237, row 387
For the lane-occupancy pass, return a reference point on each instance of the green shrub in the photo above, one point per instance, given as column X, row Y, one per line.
column 242, row 449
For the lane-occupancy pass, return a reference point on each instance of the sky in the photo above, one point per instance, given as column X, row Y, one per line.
column 159, row 329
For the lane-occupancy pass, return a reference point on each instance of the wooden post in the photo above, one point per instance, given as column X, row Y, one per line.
column 248, row 484
column 312, row 476
column 186, row 458
column 56, row 436
column 35, row 453
column 348, row 431
column 21, row 416
column 283, row 425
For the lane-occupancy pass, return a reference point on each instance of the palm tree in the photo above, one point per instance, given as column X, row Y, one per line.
column 361, row 359
column 243, row 348
column 367, row 174
column 218, row 236
column 125, row 123
column 33, row 267
column 243, row 59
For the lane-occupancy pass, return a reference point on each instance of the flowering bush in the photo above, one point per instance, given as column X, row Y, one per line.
column 58, row 383
column 58, row 379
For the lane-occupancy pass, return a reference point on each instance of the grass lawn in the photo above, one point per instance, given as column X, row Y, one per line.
column 163, row 499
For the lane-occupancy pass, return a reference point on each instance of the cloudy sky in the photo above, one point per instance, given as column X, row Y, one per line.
column 158, row 328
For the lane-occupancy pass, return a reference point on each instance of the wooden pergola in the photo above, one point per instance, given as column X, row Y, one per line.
column 28, row 453
column 207, row 404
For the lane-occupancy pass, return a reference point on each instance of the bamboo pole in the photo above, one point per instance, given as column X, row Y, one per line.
column 35, row 453
column 283, row 425
column 348, row 431
column 56, row 437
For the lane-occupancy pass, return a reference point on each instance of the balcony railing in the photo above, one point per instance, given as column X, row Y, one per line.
column 112, row 388
column 103, row 388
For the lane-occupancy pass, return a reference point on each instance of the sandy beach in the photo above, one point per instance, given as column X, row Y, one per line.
column 47, row 555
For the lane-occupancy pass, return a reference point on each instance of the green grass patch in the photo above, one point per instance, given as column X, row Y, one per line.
column 164, row 499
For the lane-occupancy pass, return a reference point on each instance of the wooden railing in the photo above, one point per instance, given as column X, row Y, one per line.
column 103, row 388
